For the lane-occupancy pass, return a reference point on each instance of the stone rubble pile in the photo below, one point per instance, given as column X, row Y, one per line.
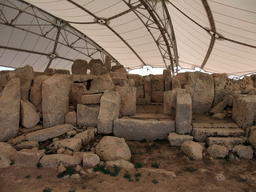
column 66, row 111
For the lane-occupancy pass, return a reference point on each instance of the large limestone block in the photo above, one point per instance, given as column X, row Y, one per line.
column 219, row 87
column 27, row 145
column 218, row 108
column 252, row 139
column 140, row 92
column 26, row 75
column 244, row 112
column 119, row 69
column 79, row 67
column 121, row 81
column 55, row 100
column 157, row 96
column 109, row 111
column 201, row 88
column 132, row 129
column 113, row 148
column 87, row 116
column 91, row 99
column 96, row 67
column 217, row 151
column 138, row 80
column 90, row 160
column 77, row 90
column 86, row 136
column 128, row 100
column 71, row 143
column 103, row 82
column 108, row 63
column 36, row 91
column 28, row 114
column 28, row 157
column 183, row 113
column 170, row 100
column 243, row 151
column 147, row 88
column 229, row 142
column 53, row 161
column 10, row 110
column 44, row 134
column 176, row 140
column 70, row 118
column 7, row 151
column 192, row 150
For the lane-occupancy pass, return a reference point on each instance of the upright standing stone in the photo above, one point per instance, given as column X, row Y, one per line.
column 36, row 91
column 128, row 100
column 79, row 67
column 55, row 100
column 201, row 88
column 219, row 87
column 87, row 116
column 109, row 111
column 147, row 89
column 170, row 98
column 26, row 75
column 10, row 110
column 103, row 82
column 108, row 63
column 29, row 116
column 183, row 113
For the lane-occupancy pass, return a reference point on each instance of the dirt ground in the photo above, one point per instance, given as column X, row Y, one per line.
column 240, row 174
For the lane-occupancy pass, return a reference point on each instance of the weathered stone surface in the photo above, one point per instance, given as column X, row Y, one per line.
column 108, row 63
column 118, row 75
column 225, row 125
column 218, row 108
column 36, row 91
column 26, row 75
column 176, row 140
column 109, row 111
column 87, row 116
column 147, row 89
column 183, row 113
column 62, row 71
column 121, row 81
column 113, row 148
column 192, row 150
column 225, row 141
column 7, row 151
column 82, row 78
column 77, row 90
column 132, row 129
column 170, row 100
column 243, row 151
column 175, row 83
column 219, row 116
column 27, row 145
column 244, row 112
column 28, row 157
column 202, row 125
column 55, row 100
column 137, row 79
column 97, row 68
column 4, row 162
column 90, row 160
column 128, row 100
column 157, row 96
column 217, row 151
column 44, row 134
column 120, row 163
column 72, row 143
column 53, row 161
column 140, row 92
column 28, row 114
column 79, row 67
column 70, row 118
column 201, row 88
column 200, row 134
column 103, row 82
column 119, row 69
column 86, row 136
column 252, row 139
column 219, row 85
column 91, row 99
column 10, row 110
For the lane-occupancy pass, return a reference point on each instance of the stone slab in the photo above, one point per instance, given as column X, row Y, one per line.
column 132, row 129
column 225, row 141
column 202, row 125
column 91, row 99
column 176, row 140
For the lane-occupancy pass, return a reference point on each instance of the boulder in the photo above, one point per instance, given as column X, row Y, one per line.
column 28, row 157
column 36, row 91
column 10, row 110
column 28, row 114
column 109, row 111
column 119, row 69
column 44, row 134
column 243, row 151
column 113, row 148
column 26, row 75
column 55, row 100
column 217, row 151
column 120, row 163
column 128, row 100
column 73, row 144
column 87, row 116
column 7, row 151
column 103, row 82
column 53, row 161
column 176, row 140
column 27, row 145
column 79, row 67
column 192, row 150
column 77, row 90
column 201, row 88
column 70, row 118
column 252, row 139
column 90, row 160
column 4, row 162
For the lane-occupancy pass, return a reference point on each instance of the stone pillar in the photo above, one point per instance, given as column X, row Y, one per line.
column 147, row 89
column 128, row 100
column 108, row 63
column 183, row 113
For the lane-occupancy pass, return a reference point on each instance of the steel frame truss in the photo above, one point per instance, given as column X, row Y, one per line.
column 60, row 27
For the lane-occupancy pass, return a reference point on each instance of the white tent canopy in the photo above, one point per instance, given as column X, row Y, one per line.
column 216, row 36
